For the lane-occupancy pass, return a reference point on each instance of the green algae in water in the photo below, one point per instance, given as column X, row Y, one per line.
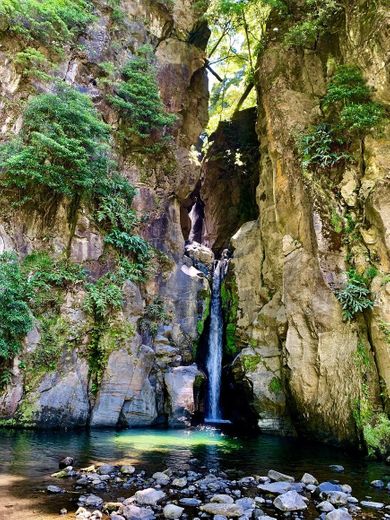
column 167, row 440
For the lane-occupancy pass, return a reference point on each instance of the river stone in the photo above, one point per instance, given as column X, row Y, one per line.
column 308, row 479
column 337, row 498
column 115, row 516
column 325, row 507
column 90, row 501
column 372, row 505
column 276, row 488
column 337, row 468
column 338, row 514
column 325, row 487
column 377, row 484
column 222, row 499
column 219, row 517
column 179, row 482
column 346, row 488
column 172, row 512
column 149, row 496
column 132, row 512
column 229, row 510
column 276, row 476
column 353, row 500
column 246, row 503
column 106, row 469
column 190, row 502
column 65, row 462
column 161, row 478
column 55, row 489
column 290, row 501
column 127, row 469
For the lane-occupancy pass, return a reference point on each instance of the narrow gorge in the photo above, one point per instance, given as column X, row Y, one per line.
column 195, row 217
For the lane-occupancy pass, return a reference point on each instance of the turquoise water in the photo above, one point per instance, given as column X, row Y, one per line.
column 28, row 458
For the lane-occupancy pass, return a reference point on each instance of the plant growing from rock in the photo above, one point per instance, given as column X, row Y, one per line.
column 49, row 22
column 138, row 101
column 154, row 316
column 355, row 297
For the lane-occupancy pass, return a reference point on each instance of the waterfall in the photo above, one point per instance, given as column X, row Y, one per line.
column 215, row 344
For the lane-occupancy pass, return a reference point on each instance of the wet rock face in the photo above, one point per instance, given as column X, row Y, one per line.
column 230, row 179
column 131, row 389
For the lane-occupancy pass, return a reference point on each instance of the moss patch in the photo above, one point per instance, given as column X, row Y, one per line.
column 229, row 299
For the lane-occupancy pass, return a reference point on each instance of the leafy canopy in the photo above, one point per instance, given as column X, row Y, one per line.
column 63, row 146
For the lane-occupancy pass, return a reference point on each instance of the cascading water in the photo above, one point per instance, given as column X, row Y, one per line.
column 215, row 344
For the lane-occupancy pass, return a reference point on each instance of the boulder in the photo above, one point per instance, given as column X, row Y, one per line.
column 65, row 462
column 171, row 511
column 377, row 484
column 372, row 505
column 338, row 514
column 336, row 468
column 325, row 507
column 190, row 502
column 55, row 489
column 222, row 499
column 105, row 469
column 149, row 496
column 132, row 512
column 91, row 501
column 228, row 510
column 276, row 488
column 179, row 482
column 161, row 478
column 290, row 501
column 127, row 469
column 179, row 383
column 337, row 498
column 308, row 479
column 276, row 476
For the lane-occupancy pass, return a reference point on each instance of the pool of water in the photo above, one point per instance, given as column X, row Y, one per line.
column 28, row 458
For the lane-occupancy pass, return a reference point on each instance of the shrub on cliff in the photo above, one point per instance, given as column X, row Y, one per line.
column 50, row 22
column 63, row 146
column 137, row 98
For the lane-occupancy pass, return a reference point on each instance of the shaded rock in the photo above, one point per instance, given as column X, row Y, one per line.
column 308, row 479
column 246, row 503
column 55, row 489
column 106, row 469
column 171, row 511
column 222, row 499
column 229, row 510
column 325, row 487
column 337, row 468
column 337, row 498
column 90, row 501
column 276, row 476
column 161, row 478
column 149, row 496
column 276, row 488
column 290, row 501
column 377, row 484
column 179, row 482
column 190, row 502
column 372, row 505
column 179, row 383
column 65, row 462
column 127, row 469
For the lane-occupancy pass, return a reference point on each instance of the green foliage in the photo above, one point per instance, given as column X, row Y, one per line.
column 33, row 63
column 355, row 297
column 229, row 301
column 275, row 385
column 322, row 148
column 15, row 316
column 102, row 297
column 250, row 362
column 63, row 146
column 377, row 435
column 349, row 113
column 49, row 22
column 316, row 18
column 206, row 298
column 154, row 316
column 137, row 98
column 54, row 338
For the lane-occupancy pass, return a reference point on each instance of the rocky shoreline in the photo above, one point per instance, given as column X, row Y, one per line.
column 200, row 493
